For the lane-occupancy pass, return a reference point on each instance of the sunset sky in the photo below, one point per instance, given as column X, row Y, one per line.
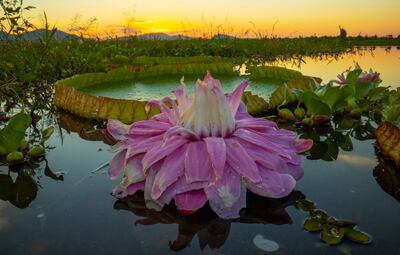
column 292, row 17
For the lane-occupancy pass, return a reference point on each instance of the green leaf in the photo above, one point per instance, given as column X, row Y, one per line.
column 305, row 205
column 317, row 107
column 319, row 214
column 331, row 96
column 331, row 234
column 332, row 151
column 352, row 76
column 36, row 152
column 46, row 134
column 12, row 135
column 357, row 236
column 313, row 225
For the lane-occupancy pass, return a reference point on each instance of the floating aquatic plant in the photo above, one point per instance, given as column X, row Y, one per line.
column 205, row 149
column 13, row 145
column 332, row 230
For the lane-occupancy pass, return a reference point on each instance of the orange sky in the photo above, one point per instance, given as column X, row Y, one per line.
column 292, row 17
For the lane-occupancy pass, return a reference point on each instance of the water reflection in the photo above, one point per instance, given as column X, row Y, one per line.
column 21, row 184
column 211, row 231
column 387, row 175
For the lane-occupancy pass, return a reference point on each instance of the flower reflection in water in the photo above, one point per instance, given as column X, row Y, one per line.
column 211, row 230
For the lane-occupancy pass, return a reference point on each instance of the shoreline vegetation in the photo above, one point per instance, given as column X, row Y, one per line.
column 33, row 59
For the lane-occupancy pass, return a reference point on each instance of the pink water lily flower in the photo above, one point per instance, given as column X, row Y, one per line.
column 363, row 77
column 205, row 149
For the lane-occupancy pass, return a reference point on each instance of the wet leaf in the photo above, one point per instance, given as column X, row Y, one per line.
column 46, row 134
column 313, row 225
column 36, row 152
column 319, row 214
column 286, row 114
column 332, row 234
column 357, row 236
column 15, row 157
column 331, row 96
column 299, row 112
column 14, row 132
column 305, row 205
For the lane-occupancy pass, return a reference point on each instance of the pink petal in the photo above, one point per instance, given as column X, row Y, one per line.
column 134, row 169
column 216, row 149
column 142, row 144
column 117, row 164
column 304, row 145
column 240, row 161
column 191, row 200
column 197, row 163
column 273, row 162
column 172, row 168
column 121, row 191
column 117, row 129
column 242, row 112
column 273, row 185
column 227, row 195
column 151, row 203
column 179, row 130
column 262, row 141
column 157, row 153
column 235, row 98
column 148, row 128
column 257, row 124
column 180, row 186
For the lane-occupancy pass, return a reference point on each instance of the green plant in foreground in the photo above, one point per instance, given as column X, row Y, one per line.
column 332, row 231
column 13, row 145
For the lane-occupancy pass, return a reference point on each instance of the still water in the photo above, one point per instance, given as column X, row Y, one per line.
column 76, row 214
column 386, row 61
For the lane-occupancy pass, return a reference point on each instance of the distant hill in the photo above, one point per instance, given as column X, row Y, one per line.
column 155, row 36
column 4, row 36
column 36, row 35
column 223, row 36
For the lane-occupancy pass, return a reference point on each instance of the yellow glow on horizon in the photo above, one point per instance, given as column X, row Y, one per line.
column 291, row 17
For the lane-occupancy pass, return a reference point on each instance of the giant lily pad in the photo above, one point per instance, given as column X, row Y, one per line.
column 123, row 93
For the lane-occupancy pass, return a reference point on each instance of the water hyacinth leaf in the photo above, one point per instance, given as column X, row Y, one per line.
column 317, row 107
column 331, row 96
column 286, row 114
column 352, row 76
column 299, row 112
column 363, row 89
column 357, row 236
column 46, row 134
column 318, row 150
column 12, row 135
column 319, row 214
column 344, row 141
column 3, row 151
column 332, row 234
column 313, row 225
column 332, row 151
column 378, row 94
column 36, row 152
column 305, row 205
column 15, row 157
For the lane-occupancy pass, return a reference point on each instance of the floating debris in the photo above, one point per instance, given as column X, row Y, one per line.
column 264, row 244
